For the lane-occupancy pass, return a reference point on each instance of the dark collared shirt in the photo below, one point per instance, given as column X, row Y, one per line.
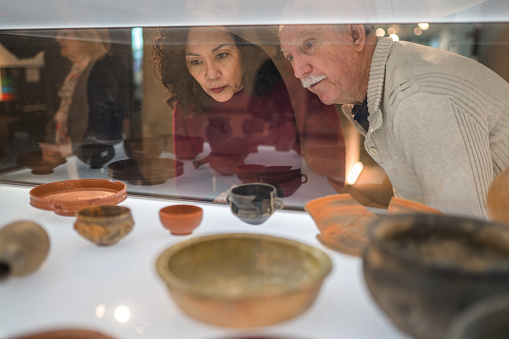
column 360, row 114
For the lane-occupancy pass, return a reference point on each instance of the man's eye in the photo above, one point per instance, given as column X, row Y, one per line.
column 221, row 56
column 309, row 44
column 289, row 57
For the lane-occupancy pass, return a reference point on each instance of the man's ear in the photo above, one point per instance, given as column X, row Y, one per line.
column 358, row 36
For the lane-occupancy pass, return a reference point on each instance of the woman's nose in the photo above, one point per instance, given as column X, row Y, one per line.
column 212, row 71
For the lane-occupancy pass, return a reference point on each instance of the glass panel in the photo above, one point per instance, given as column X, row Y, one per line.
column 208, row 108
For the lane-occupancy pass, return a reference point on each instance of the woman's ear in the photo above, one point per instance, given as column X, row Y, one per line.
column 358, row 35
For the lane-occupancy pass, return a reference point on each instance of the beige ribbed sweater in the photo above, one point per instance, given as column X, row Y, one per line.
column 439, row 125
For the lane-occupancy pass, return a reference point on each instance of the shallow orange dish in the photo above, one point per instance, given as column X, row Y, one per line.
column 69, row 196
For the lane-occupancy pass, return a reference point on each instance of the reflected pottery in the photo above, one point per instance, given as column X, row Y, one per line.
column 104, row 225
column 243, row 280
column 24, row 246
column 254, row 203
column 424, row 269
column 95, row 155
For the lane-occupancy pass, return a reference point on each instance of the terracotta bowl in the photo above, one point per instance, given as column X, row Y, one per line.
column 243, row 280
column 486, row 318
column 95, row 155
column 41, row 163
column 141, row 148
column 104, row 225
column 249, row 173
column 181, row 219
column 424, row 269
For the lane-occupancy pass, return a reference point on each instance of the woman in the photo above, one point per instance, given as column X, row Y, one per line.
column 90, row 107
column 227, row 90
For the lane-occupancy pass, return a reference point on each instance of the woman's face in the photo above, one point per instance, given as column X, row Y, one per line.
column 213, row 59
column 70, row 45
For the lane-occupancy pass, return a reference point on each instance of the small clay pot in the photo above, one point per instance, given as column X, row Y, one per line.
column 424, row 269
column 181, row 219
column 24, row 245
column 104, row 225
column 254, row 203
column 41, row 162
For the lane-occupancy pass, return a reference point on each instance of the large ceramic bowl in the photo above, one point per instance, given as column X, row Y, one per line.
column 243, row 280
column 424, row 269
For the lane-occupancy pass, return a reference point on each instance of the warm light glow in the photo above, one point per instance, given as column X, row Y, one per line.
column 380, row 31
column 391, row 30
column 417, row 31
column 354, row 173
column 394, row 37
column 122, row 314
column 423, row 25
column 100, row 311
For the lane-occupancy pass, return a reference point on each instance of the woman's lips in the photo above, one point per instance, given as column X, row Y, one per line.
column 218, row 89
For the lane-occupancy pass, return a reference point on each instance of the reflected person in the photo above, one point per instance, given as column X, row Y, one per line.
column 90, row 108
column 435, row 121
column 214, row 75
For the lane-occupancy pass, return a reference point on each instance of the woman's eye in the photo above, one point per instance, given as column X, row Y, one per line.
column 194, row 62
column 221, row 56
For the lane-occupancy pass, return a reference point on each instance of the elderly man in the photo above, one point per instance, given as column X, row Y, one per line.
column 438, row 123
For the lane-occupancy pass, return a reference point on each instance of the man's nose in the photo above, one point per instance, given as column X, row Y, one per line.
column 301, row 67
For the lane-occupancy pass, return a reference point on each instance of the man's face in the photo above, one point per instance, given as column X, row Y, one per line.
column 325, row 60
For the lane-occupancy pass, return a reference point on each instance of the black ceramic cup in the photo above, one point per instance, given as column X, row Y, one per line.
column 254, row 203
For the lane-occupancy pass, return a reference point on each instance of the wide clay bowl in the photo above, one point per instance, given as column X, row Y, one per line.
column 181, row 219
column 424, row 269
column 104, row 225
column 243, row 280
column 141, row 148
column 486, row 318
column 145, row 171
column 41, row 162
column 95, row 155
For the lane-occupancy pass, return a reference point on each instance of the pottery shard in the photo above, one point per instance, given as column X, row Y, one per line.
column 327, row 203
column 402, row 206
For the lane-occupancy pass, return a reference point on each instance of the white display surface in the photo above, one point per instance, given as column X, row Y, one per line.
column 116, row 290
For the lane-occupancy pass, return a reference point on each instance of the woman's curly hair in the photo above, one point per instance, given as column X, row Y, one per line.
column 259, row 72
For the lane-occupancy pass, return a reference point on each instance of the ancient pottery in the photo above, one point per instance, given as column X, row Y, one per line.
column 104, row 225
column 95, row 155
column 69, row 196
column 143, row 148
column 498, row 198
column 249, row 173
column 41, row 162
column 181, row 219
column 254, row 203
column 225, row 163
column 24, row 246
column 145, row 172
column 66, row 334
column 484, row 319
column 243, row 280
column 424, row 269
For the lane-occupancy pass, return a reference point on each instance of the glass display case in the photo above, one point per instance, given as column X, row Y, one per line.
column 182, row 101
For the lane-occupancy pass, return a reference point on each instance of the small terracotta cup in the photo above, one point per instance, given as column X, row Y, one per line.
column 181, row 219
